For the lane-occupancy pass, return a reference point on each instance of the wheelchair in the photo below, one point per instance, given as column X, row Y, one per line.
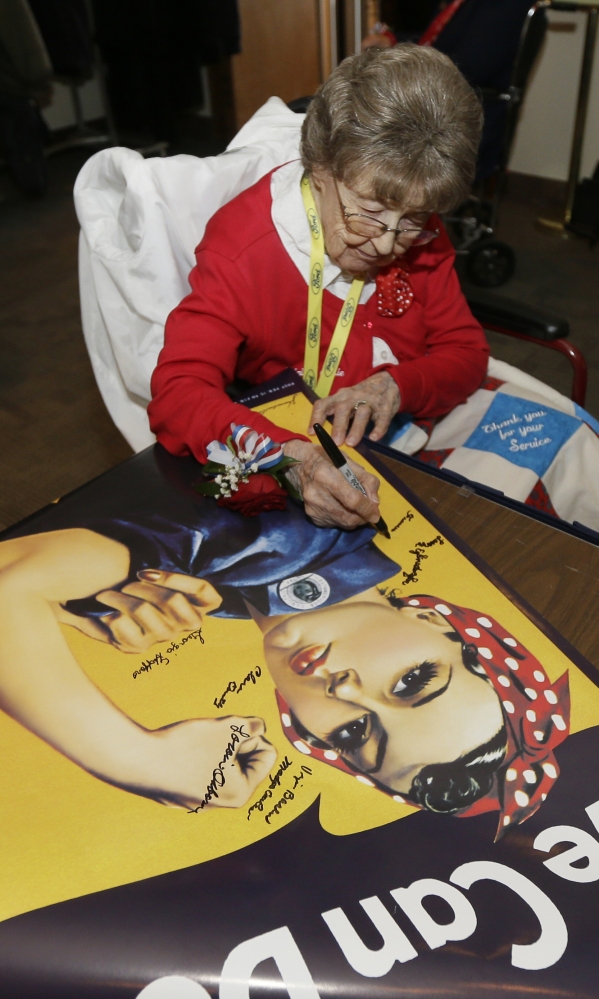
column 486, row 261
column 489, row 262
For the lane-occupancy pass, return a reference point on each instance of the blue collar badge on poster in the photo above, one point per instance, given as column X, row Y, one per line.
column 526, row 433
column 304, row 592
column 331, row 579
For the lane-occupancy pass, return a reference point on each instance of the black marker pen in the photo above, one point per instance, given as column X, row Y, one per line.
column 340, row 461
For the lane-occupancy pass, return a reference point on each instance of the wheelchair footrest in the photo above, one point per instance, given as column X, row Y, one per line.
column 495, row 310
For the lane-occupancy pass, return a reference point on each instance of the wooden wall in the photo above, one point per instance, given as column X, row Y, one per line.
column 280, row 53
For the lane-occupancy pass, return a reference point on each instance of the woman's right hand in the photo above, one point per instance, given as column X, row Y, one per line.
column 328, row 498
column 217, row 761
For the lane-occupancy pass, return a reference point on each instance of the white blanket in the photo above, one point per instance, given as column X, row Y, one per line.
column 141, row 221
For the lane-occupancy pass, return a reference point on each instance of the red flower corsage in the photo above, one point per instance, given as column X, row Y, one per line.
column 246, row 473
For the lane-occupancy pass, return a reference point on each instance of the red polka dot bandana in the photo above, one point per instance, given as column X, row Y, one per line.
column 536, row 715
column 394, row 291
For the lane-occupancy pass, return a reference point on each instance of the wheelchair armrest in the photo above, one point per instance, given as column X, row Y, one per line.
column 494, row 311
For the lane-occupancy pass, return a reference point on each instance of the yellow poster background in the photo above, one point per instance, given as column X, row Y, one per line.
column 64, row 833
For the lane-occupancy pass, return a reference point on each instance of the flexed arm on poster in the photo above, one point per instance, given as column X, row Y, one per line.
column 43, row 687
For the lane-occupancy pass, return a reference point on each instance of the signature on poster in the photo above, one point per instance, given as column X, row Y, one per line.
column 146, row 666
column 275, row 781
column 162, row 660
column 287, row 404
column 408, row 516
column 218, row 779
column 419, row 551
column 288, row 794
column 236, row 688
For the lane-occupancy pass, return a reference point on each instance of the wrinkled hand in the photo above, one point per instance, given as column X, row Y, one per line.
column 382, row 398
column 329, row 500
column 219, row 761
column 158, row 608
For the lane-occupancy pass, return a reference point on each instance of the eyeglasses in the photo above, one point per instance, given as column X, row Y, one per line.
column 364, row 225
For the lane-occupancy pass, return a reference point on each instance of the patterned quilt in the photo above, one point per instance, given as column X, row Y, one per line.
column 518, row 436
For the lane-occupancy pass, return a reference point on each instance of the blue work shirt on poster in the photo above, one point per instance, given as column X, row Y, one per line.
column 278, row 561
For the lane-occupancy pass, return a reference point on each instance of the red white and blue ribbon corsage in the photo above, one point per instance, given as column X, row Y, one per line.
column 246, row 473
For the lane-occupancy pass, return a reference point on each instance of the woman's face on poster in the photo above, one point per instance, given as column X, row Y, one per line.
column 387, row 689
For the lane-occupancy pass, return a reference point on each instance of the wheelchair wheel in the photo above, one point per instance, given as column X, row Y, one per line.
column 468, row 216
column 490, row 263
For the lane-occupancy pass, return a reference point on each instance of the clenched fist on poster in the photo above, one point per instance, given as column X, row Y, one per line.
column 210, row 762
column 158, row 608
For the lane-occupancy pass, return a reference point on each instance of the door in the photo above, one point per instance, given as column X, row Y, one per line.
column 280, row 55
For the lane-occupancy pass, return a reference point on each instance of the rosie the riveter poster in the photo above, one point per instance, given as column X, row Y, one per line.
column 247, row 757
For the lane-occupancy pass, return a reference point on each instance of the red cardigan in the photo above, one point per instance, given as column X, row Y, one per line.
column 246, row 317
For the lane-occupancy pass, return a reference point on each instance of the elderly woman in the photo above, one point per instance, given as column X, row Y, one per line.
column 339, row 267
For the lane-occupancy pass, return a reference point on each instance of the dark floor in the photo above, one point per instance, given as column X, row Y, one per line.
column 555, row 272
column 54, row 431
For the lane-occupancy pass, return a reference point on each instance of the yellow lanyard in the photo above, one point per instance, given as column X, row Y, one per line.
column 314, row 320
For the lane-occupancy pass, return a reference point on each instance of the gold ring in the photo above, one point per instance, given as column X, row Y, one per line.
column 361, row 402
